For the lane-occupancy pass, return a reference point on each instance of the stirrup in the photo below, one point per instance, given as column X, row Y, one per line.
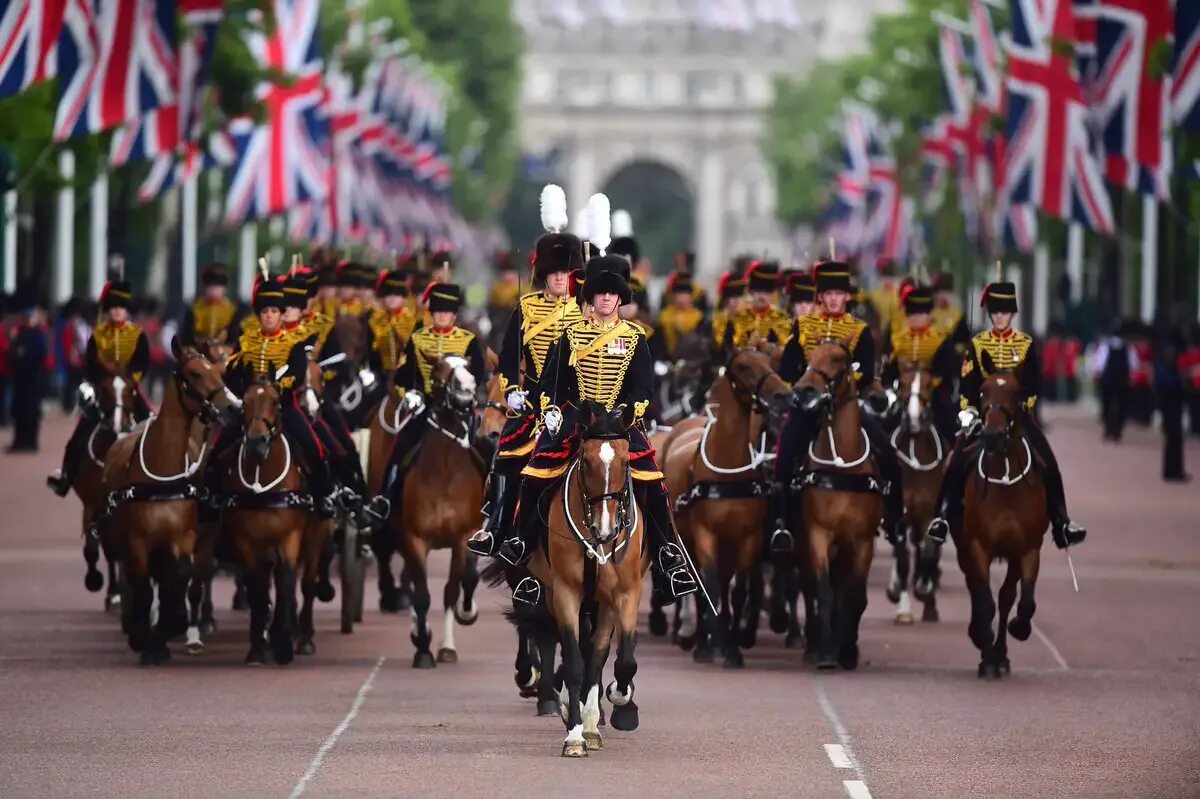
column 682, row 583
column 670, row 559
column 379, row 509
column 1068, row 534
column 514, row 551
column 349, row 499
column 939, row 530
column 482, row 542
column 782, row 542
column 325, row 507
column 528, row 591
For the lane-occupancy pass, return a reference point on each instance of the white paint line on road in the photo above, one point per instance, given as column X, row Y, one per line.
column 338, row 731
column 837, row 756
column 857, row 789
column 1045, row 639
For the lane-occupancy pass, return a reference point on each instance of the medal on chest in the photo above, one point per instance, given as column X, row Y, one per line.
column 618, row 346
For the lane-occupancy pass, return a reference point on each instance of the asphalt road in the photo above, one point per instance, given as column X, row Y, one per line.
column 1104, row 700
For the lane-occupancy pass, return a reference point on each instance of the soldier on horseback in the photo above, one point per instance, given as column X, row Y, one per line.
column 414, row 382
column 535, row 326
column 926, row 345
column 116, row 341
column 1002, row 348
column 213, row 313
column 685, row 269
column 801, row 294
column 679, row 317
column 760, row 317
column 606, row 360
column 265, row 347
column 833, row 289
column 730, row 288
column 947, row 316
column 391, row 324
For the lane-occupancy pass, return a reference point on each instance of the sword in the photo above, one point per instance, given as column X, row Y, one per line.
column 1071, row 565
column 695, row 572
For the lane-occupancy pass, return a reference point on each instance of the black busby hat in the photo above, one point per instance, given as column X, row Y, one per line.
column 366, row 276
column 680, row 283
column 116, row 294
column 999, row 297
column 762, row 276
column 730, row 285
column 626, row 246
column 685, row 261
column 392, row 283
column 916, row 299
column 326, row 276
column 295, row 291
column 443, row 297
column 607, row 274
column 832, row 276
column 268, row 293
column 800, row 287
column 345, row 274
column 215, row 274
column 555, row 251
column 943, row 281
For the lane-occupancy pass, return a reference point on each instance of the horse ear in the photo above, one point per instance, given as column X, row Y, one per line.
column 587, row 414
column 176, row 349
column 626, row 413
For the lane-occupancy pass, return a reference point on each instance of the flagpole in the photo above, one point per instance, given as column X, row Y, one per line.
column 1075, row 261
column 98, row 238
column 247, row 253
column 62, row 280
column 1041, row 288
column 190, row 202
column 10, row 242
column 1149, row 256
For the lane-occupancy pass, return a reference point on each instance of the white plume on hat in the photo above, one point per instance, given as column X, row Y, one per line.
column 580, row 225
column 600, row 222
column 622, row 223
column 554, row 209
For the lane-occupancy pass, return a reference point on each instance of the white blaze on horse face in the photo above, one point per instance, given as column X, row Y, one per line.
column 914, row 401
column 118, row 385
column 607, row 454
column 462, row 382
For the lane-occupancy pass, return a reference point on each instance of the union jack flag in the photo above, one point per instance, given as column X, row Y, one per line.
column 1047, row 160
column 29, row 30
column 283, row 162
column 985, row 59
column 1185, row 95
column 937, row 155
column 116, row 61
column 1130, row 104
column 171, row 169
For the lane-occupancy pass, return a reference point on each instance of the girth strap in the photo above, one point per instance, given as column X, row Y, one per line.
column 270, row 500
column 836, row 481
column 725, row 489
column 172, row 491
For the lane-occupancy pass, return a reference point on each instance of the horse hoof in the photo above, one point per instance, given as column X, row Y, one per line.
column 388, row 603
column 625, row 717
column 147, row 658
column 601, row 722
column 848, row 658
column 988, row 671
column 827, row 663
column 467, row 619
column 208, row 626
column 574, row 749
column 283, row 653
column 112, row 604
column 686, row 642
column 748, row 638
column 256, row 657
column 547, row 707
column 93, row 581
column 793, row 641
column 658, row 624
column 893, row 594
column 779, row 620
column 445, row 655
column 1020, row 629
column 326, row 592
column 702, row 654
column 904, row 618
column 239, row 600
column 593, row 741
column 424, row 660
column 734, row 660
column 194, row 644
column 1004, row 666
column 930, row 613
column 306, row 647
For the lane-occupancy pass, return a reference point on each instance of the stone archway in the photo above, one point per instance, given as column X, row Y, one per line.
column 662, row 205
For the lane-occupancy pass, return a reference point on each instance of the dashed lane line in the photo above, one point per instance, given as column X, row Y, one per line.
column 857, row 789
column 1045, row 639
column 330, row 742
column 841, row 754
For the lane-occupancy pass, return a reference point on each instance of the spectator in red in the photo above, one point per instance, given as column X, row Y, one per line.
column 1141, row 393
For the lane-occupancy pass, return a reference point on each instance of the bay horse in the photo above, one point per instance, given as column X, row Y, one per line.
column 922, row 453
column 840, row 508
column 270, row 521
column 681, row 393
column 439, row 509
column 114, row 401
column 716, row 474
column 152, row 503
column 592, row 564
column 1004, row 518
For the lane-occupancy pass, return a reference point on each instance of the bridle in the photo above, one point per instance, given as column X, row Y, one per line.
column 463, row 415
column 752, row 395
column 833, row 383
column 272, row 424
column 626, row 516
column 206, row 407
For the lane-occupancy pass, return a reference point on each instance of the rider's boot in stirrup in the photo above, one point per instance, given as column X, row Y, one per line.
column 321, row 485
column 780, row 540
column 528, row 591
column 486, row 541
column 670, row 575
column 1065, row 533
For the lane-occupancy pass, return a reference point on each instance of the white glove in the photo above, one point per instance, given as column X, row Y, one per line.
column 366, row 377
column 554, row 420
column 517, row 400
column 413, row 401
column 967, row 418
column 891, row 396
column 87, row 393
column 661, row 368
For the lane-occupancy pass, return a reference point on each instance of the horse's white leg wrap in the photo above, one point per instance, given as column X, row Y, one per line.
column 616, row 697
column 448, row 629
column 687, row 618
column 591, row 710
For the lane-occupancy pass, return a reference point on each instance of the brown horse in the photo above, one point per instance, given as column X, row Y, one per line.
column 148, row 477
column 1004, row 517
column 270, row 522
column 442, row 495
column 716, row 472
column 840, row 509
column 922, row 454
column 592, row 566
column 114, row 399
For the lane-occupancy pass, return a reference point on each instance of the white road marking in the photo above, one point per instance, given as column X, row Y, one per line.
column 837, row 756
column 857, row 789
column 1045, row 639
column 338, row 731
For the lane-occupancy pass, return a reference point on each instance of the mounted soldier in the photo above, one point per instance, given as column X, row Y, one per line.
column 391, row 324
column 685, row 269
column 730, row 288
column 604, row 360
column 414, row 382
column 213, row 313
column 947, row 315
column 116, row 342
column 1003, row 347
column 922, row 343
column 759, row 317
column 801, row 294
column 536, row 325
column 263, row 349
column 834, row 323
column 680, row 316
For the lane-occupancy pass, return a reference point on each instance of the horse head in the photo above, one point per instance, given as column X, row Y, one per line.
column 604, row 468
column 217, row 349
column 915, row 384
column 261, row 415
column 752, row 375
column 202, row 387
column 352, row 335
column 829, row 379
column 114, row 395
column 453, row 383
column 495, row 412
column 999, row 399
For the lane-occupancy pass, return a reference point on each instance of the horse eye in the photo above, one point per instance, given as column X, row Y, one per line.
column 194, row 375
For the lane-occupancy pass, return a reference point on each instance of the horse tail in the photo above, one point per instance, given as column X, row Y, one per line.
column 535, row 622
column 495, row 573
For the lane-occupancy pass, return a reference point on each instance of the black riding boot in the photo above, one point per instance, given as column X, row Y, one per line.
column 1065, row 533
column 795, row 434
column 502, row 493
column 518, row 548
column 669, row 568
column 950, row 498
column 382, row 506
column 323, row 489
column 61, row 482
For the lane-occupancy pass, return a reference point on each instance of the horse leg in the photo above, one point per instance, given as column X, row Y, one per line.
column 199, row 590
column 313, row 537
column 466, row 611
column 688, row 611
column 1006, row 596
column 1022, row 625
column 927, row 577
column 241, row 593
column 137, row 570
column 795, row 633
column 658, row 619
column 566, row 610
column 752, row 610
column 451, row 597
column 93, row 579
column 738, row 598
column 172, row 575
column 853, row 603
column 826, row 644
column 898, row 590
column 593, row 673
column 708, row 636
column 415, row 553
column 283, row 623
column 975, row 562
column 525, row 672
column 779, row 596
column 381, row 545
column 620, row 689
column 546, row 642
column 254, row 576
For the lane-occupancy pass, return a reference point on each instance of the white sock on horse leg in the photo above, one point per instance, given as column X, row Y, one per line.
column 448, row 629
column 591, row 710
